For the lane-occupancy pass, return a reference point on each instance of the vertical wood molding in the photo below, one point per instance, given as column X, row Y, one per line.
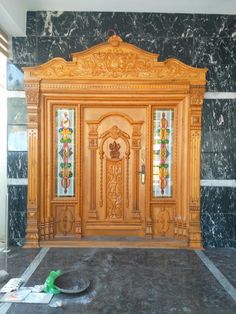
column 136, row 146
column 93, row 145
column 196, row 98
column 32, row 230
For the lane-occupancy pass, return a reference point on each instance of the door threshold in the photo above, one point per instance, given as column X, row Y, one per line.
column 96, row 242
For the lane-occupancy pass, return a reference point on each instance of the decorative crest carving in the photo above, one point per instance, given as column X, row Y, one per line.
column 115, row 59
column 114, row 133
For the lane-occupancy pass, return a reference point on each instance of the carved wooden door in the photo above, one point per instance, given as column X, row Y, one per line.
column 95, row 124
column 114, row 171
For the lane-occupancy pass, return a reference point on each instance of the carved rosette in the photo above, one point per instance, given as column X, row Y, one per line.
column 32, row 230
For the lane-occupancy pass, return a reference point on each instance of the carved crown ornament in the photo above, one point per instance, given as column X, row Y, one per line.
column 115, row 60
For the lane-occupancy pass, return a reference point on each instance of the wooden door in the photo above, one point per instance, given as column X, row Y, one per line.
column 106, row 90
column 114, row 145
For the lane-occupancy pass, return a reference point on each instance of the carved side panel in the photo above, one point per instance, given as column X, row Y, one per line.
column 115, row 188
column 32, row 230
column 163, row 221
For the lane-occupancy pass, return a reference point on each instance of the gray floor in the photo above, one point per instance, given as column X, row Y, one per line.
column 131, row 280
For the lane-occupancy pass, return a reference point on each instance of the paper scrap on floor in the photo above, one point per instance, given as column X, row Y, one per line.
column 12, row 285
column 26, row 296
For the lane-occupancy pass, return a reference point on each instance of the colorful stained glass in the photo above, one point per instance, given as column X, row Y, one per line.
column 162, row 152
column 65, row 152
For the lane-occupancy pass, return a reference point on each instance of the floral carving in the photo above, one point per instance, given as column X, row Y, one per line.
column 114, row 189
column 115, row 60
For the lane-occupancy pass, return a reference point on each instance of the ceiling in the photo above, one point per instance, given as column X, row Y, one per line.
column 13, row 12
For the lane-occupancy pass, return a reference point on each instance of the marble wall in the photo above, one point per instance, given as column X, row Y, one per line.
column 198, row 40
column 17, row 165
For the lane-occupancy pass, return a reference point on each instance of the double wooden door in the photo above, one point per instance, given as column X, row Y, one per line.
column 114, row 161
column 113, row 147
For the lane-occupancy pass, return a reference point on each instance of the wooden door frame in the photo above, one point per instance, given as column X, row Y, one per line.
column 119, row 71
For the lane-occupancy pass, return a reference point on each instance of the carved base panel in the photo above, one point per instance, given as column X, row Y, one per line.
column 163, row 221
column 65, row 221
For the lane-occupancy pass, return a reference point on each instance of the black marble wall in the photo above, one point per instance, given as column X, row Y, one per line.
column 17, row 167
column 196, row 39
column 218, row 162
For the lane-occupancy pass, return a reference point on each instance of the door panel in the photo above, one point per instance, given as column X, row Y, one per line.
column 113, row 188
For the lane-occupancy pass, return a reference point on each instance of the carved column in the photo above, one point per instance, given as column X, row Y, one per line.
column 93, row 145
column 136, row 146
column 32, row 230
column 196, row 98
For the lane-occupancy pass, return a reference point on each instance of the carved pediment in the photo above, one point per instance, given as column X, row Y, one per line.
column 115, row 60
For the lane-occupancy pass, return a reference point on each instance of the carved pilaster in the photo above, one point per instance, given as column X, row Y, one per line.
column 196, row 96
column 78, row 228
column 136, row 146
column 32, row 230
column 51, row 228
column 149, row 231
column 93, row 145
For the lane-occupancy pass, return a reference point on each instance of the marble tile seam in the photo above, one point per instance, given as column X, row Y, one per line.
column 17, row 181
column 4, row 307
column 208, row 95
column 224, row 282
column 15, row 94
column 218, row 183
column 204, row 182
column 220, row 95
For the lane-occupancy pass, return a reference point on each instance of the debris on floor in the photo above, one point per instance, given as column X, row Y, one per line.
column 69, row 283
column 49, row 286
column 3, row 275
column 72, row 282
column 25, row 295
column 12, row 285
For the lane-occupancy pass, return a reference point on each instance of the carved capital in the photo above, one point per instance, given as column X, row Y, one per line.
column 32, row 98
column 136, row 143
column 137, row 129
column 93, row 129
column 32, row 92
column 93, row 143
column 197, row 95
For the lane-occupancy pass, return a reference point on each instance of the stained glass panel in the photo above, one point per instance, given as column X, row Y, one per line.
column 65, row 152
column 162, row 152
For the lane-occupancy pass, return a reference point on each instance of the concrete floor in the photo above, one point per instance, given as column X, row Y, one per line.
column 131, row 280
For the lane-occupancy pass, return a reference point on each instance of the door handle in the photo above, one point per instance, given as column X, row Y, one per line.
column 142, row 172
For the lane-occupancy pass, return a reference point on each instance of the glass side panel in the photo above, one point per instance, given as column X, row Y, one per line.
column 65, row 152
column 162, row 152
